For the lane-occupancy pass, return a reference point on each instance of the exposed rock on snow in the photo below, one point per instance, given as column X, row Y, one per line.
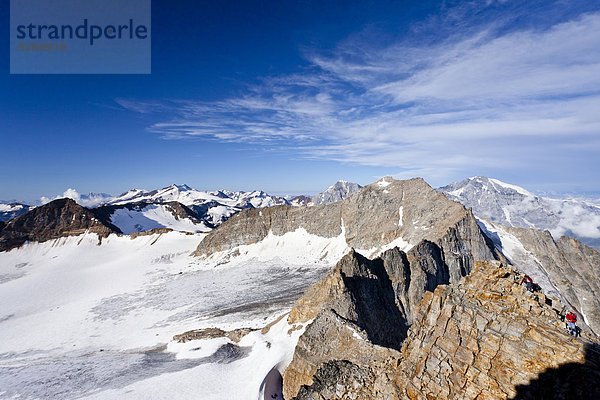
column 140, row 217
column 301, row 201
column 211, row 333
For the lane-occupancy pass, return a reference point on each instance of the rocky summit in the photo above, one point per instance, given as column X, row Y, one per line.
column 403, row 211
column 62, row 217
column 483, row 337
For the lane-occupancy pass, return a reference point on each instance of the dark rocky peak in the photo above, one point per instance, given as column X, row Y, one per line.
column 62, row 217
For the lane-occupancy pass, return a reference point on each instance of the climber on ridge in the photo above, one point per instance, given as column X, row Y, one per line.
column 571, row 324
column 528, row 281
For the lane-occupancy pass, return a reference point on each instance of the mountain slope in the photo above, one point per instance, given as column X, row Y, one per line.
column 403, row 212
column 371, row 300
column 63, row 217
column 564, row 268
column 511, row 205
column 141, row 217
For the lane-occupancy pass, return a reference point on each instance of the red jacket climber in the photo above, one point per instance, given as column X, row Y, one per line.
column 571, row 326
column 528, row 281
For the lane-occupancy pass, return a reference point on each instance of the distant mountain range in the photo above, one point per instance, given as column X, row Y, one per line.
column 178, row 207
column 183, row 208
column 11, row 210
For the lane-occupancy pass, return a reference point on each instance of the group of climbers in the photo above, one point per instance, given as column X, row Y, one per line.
column 571, row 317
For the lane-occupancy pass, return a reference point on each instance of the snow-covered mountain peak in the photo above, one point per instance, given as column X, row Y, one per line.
column 13, row 209
column 336, row 192
column 180, row 188
column 87, row 200
column 512, row 205
column 485, row 185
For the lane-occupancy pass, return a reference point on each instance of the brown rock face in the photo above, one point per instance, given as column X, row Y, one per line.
column 364, row 307
column 374, row 216
column 487, row 337
column 62, row 217
column 484, row 337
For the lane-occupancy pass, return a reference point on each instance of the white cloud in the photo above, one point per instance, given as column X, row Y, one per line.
column 489, row 100
column 89, row 200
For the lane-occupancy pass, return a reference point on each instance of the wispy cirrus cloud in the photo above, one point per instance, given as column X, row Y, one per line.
column 491, row 98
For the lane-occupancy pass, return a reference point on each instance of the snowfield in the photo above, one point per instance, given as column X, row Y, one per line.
column 83, row 320
column 153, row 216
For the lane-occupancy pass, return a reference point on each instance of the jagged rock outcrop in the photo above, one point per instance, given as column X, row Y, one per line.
column 62, row 217
column 484, row 337
column 407, row 211
column 365, row 299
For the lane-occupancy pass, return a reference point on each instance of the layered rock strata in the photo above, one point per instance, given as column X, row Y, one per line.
column 484, row 337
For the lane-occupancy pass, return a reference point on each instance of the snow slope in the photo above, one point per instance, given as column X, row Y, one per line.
column 81, row 319
column 151, row 216
column 512, row 205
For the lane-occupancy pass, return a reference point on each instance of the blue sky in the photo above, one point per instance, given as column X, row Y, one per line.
column 290, row 96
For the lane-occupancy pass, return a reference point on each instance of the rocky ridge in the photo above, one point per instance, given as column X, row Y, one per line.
column 484, row 337
column 368, row 299
column 406, row 212
column 564, row 267
column 62, row 217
